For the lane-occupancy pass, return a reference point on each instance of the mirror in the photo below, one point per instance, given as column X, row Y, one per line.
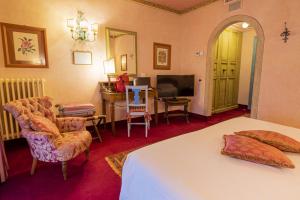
column 121, row 46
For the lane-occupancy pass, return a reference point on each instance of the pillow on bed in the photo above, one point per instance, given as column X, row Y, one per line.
column 275, row 139
column 249, row 149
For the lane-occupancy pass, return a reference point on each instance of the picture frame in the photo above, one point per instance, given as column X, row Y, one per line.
column 82, row 58
column 24, row 46
column 124, row 62
column 227, row 2
column 161, row 56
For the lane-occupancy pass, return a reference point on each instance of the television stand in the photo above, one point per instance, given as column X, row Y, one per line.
column 176, row 102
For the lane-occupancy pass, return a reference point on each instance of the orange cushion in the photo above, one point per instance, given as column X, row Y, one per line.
column 42, row 124
column 249, row 149
column 275, row 139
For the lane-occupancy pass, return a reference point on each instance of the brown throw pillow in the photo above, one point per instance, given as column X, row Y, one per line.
column 249, row 149
column 42, row 124
column 275, row 139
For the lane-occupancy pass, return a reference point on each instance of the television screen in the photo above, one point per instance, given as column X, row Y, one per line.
column 175, row 85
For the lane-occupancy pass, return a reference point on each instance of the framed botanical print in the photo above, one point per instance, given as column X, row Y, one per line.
column 82, row 58
column 24, row 46
column 161, row 56
column 124, row 62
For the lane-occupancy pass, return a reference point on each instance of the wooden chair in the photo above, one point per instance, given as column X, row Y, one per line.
column 135, row 107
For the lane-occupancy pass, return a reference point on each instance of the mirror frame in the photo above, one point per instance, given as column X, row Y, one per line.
column 107, row 33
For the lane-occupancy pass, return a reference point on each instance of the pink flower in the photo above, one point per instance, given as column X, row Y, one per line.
column 25, row 44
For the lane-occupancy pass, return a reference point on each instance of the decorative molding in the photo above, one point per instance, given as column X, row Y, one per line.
column 156, row 5
column 202, row 4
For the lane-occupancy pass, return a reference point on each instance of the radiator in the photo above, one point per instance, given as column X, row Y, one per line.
column 13, row 89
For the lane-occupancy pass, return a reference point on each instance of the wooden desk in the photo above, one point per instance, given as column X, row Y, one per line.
column 111, row 97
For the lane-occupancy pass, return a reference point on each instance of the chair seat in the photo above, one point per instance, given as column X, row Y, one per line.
column 137, row 109
column 71, row 144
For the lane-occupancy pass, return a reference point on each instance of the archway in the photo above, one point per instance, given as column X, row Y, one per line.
column 258, row 65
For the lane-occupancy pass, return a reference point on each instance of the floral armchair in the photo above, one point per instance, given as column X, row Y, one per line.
column 50, row 139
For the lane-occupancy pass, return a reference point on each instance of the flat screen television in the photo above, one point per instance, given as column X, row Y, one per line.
column 175, row 85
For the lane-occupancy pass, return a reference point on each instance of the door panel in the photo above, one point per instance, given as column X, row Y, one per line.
column 232, row 70
column 222, row 69
column 222, row 92
column 232, row 50
column 227, row 54
column 230, row 92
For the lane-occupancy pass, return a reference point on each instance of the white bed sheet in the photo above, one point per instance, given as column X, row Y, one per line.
column 190, row 167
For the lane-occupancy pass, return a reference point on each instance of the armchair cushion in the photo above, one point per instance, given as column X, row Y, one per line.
column 72, row 144
column 42, row 124
column 68, row 124
column 48, row 148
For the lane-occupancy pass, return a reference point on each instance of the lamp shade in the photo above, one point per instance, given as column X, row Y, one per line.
column 94, row 27
column 109, row 66
column 84, row 25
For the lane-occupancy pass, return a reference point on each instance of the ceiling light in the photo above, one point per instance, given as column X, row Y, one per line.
column 245, row 25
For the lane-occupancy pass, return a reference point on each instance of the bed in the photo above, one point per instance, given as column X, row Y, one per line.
column 190, row 167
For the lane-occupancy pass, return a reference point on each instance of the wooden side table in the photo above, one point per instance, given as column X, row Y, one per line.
column 94, row 119
column 177, row 102
column 80, row 110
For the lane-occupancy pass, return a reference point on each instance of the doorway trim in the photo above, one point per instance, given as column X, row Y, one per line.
column 258, row 65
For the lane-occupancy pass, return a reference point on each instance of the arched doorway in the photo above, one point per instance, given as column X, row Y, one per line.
column 258, row 65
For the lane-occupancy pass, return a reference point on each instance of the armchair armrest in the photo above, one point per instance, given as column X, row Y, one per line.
column 68, row 124
column 37, row 135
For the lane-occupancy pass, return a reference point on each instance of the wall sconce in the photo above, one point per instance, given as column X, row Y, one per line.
column 285, row 34
column 109, row 66
column 81, row 29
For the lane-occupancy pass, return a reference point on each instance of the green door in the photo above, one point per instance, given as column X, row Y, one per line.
column 227, row 56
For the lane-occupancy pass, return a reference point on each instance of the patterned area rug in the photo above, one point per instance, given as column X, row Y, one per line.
column 116, row 161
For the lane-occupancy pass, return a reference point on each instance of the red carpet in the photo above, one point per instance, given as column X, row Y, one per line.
column 93, row 179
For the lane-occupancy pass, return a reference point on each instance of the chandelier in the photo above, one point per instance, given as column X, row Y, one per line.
column 81, row 29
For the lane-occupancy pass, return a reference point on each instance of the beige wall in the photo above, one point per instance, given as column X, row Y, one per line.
column 71, row 83
column 245, row 69
column 279, row 91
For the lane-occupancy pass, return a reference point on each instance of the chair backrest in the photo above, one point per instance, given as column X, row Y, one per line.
column 136, row 102
column 21, row 109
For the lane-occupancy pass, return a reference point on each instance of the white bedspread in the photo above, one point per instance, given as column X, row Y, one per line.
column 190, row 167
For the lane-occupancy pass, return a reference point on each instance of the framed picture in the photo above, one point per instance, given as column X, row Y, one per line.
column 24, row 46
column 161, row 56
column 82, row 58
column 124, row 62
column 231, row 1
